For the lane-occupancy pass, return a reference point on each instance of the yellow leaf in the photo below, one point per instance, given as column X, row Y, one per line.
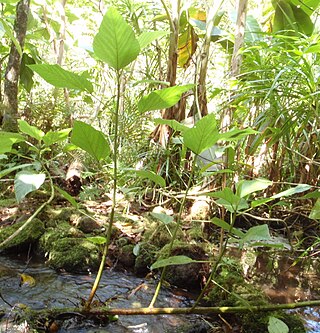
column 27, row 280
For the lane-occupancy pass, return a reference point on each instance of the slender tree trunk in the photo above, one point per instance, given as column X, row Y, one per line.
column 162, row 133
column 236, row 56
column 11, row 82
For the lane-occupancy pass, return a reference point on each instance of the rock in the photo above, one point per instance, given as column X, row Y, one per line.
column 29, row 235
column 74, row 255
column 186, row 276
column 87, row 224
column 126, row 256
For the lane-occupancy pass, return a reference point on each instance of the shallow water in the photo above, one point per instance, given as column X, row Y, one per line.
column 66, row 290
column 281, row 282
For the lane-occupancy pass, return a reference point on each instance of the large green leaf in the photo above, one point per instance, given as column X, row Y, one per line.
column 91, row 140
column 7, row 139
column 26, row 182
column 203, row 135
column 246, row 187
column 157, row 179
column 293, row 190
column 289, row 16
column 162, row 99
column 54, row 137
column 308, row 6
column 115, row 43
column 10, row 34
column 226, row 226
column 257, row 233
column 62, row 78
column 175, row 125
column 276, row 325
column 16, row 167
column 164, row 218
column 148, row 37
column 175, row 260
column 315, row 211
column 32, row 131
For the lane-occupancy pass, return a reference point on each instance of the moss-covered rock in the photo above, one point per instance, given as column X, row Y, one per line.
column 126, row 256
column 187, row 276
column 74, row 255
column 145, row 258
column 29, row 235
column 51, row 235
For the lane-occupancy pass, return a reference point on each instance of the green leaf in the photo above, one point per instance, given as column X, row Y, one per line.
column 26, row 182
column 232, row 202
column 308, row 6
column 157, row 179
column 10, row 34
column 257, row 233
column 54, row 137
column 99, row 240
column 175, row 260
column 315, row 211
column 68, row 197
column 162, row 99
column 61, row 78
column 293, row 190
column 226, row 226
column 164, row 218
column 148, row 37
column 115, row 43
column 7, row 139
column 312, row 195
column 175, row 125
column 91, row 140
column 203, row 135
column 30, row 130
column 26, row 74
column 276, row 325
column 236, row 134
column 246, row 187
column 17, row 167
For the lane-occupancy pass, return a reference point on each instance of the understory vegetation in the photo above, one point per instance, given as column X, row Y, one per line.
column 179, row 138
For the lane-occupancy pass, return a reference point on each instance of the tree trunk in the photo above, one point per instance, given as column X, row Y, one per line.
column 10, row 92
column 162, row 133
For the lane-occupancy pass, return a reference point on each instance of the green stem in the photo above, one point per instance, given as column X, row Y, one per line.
column 173, row 238
column 217, row 262
column 114, row 197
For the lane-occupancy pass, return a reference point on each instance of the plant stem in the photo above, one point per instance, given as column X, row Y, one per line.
column 114, row 196
column 217, row 262
column 174, row 235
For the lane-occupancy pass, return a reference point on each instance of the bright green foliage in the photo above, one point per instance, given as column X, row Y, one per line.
column 162, row 99
column 7, row 139
column 91, row 140
column 115, row 43
column 149, row 36
column 62, row 78
column 291, row 15
column 26, row 182
column 157, row 179
column 246, row 187
column 56, row 136
column 30, row 130
column 203, row 135
column 276, row 325
column 174, row 260
column 315, row 211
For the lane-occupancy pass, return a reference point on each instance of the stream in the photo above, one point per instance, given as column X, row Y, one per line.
column 280, row 282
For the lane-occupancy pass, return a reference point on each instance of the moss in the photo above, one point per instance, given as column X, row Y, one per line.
column 189, row 275
column 74, row 255
column 145, row 258
column 51, row 235
column 258, row 322
column 160, row 234
column 29, row 235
